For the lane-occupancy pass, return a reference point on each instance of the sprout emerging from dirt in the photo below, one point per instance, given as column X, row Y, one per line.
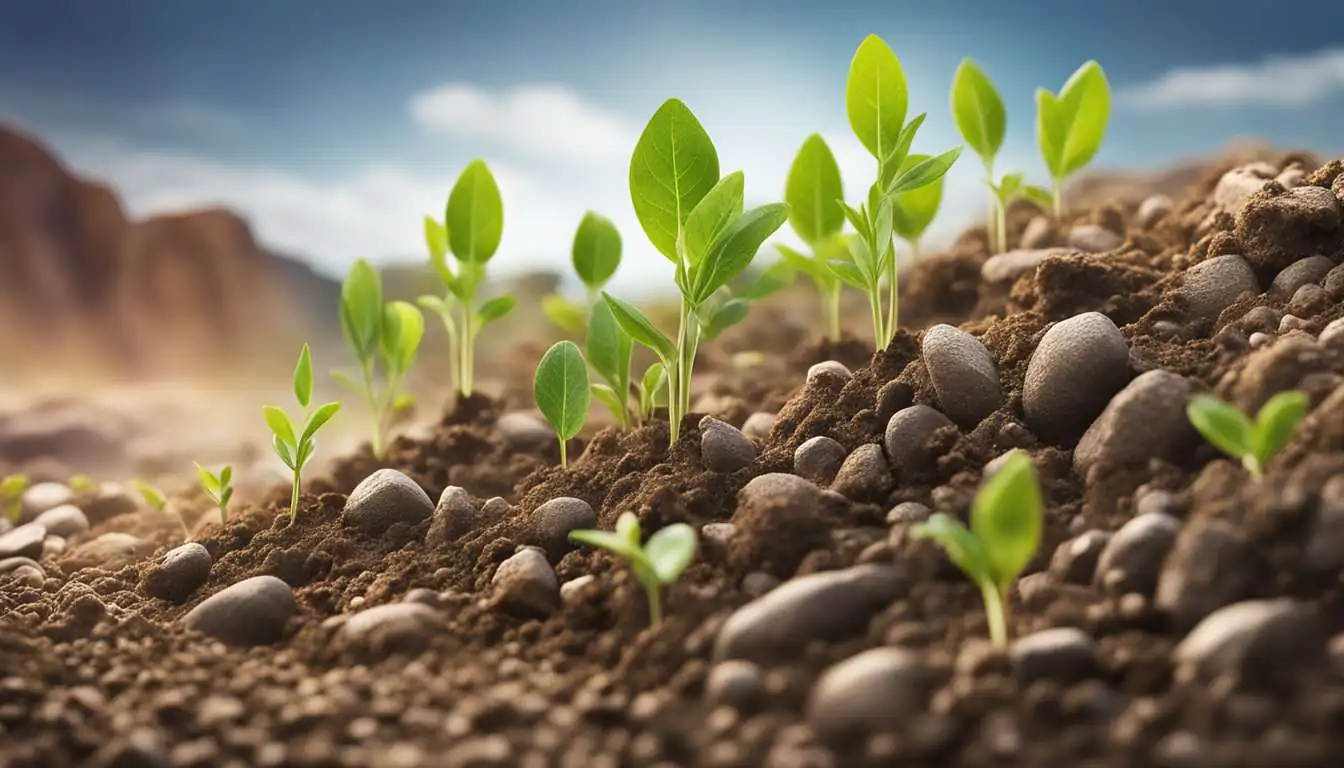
column 813, row 187
column 1254, row 443
column 12, row 489
column 157, row 501
column 294, row 446
column 652, row 391
column 596, row 253
column 385, row 339
column 219, row 487
column 1006, row 523
column 656, row 564
column 1071, row 125
column 560, row 388
column 83, row 485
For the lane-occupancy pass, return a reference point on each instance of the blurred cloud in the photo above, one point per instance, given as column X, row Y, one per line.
column 1284, row 81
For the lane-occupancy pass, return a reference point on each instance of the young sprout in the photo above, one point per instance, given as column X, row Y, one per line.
column 813, row 187
column 912, row 212
column 1252, row 442
column 1006, row 522
column 1071, row 125
column 385, row 339
column 652, row 391
column 219, row 487
column 696, row 220
column 560, row 388
column 596, row 253
column 656, row 564
column 157, row 501
column 12, row 489
column 473, row 226
column 610, row 349
column 294, row 446
column 83, row 485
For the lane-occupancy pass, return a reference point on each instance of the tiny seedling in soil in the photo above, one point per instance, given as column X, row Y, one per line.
column 1254, row 443
column 560, row 388
column 385, row 339
column 1071, row 125
column 596, row 253
column 813, row 187
column 295, row 447
column 652, row 391
column 610, row 349
column 1006, row 523
column 472, row 228
column 219, row 487
column 12, row 489
column 656, row 564
column 157, row 501
column 83, row 485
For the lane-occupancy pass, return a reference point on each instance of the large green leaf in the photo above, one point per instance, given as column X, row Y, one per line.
column 475, row 215
column 711, row 216
column 674, row 165
column 362, row 309
column 913, row 211
column 609, row 346
column 640, row 329
column 978, row 110
column 596, row 251
column 876, row 97
column 561, row 388
column 735, row 247
column 1006, row 517
column 1085, row 101
column 813, row 186
column 278, row 421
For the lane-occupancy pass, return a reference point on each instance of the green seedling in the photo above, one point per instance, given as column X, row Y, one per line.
column 813, row 187
column 912, row 212
column 876, row 100
column 1006, row 523
column 656, row 564
column 1071, row 125
column 653, row 392
column 83, row 485
column 12, row 489
column 1254, row 443
column 295, row 447
column 610, row 350
column 472, row 229
column 560, row 389
column 596, row 253
column 157, row 501
column 385, row 339
column 219, row 487
column 696, row 220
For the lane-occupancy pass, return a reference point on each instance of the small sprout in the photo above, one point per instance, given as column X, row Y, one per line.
column 1006, row 523
column 1071, row 125
column 813, row 186
column 560, row 388
column 1233, row 432
column 295, row 447
column 157, row 501
column 83, row 485
column 563, row 313
column 12, row 489
column 652, row 391
column 610, row 349
column 656, row 564
column 912, row 212
column 219, row 487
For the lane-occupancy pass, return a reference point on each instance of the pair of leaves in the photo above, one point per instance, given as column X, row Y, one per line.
column 1012, row 187
column 1252, row 442
column 658, row 562
column 596, row 251
column 1070, row 126
column 219, row 487
column 560, row 388
column 295, row 446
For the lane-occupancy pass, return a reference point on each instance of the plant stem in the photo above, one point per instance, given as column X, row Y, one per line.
column 294, row 498
column 654, row 592
column 875, row 308
column 894, row 291
column 223, row 514
column 375, row 407
column 831, row 298
column 1001, row 224
column 1058, row 197
column 467, row 350
column 1253, row 466
column 995, row 209
column 996, row 610
column 564, row 458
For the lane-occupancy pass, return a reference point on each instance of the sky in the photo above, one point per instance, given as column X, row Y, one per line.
column 333, row 126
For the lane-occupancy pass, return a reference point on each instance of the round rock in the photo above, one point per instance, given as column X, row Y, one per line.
column 723, row 448
column 1312, row 269
column 831, row 368
column 1136, row 551
column 66, row 521
column 1153, row 209
column 1075, row 561
column 392, row 628
column 865, row 475
column 385, row 498
column 818, row 459
column 1206, row 570
column 1213, row 285
column 181, row 572
column 872, row 692
column 963, row 374
column 41, row 497
column 1078, row 366
column 1145, row 420
column 454, row 516
column 1254, row 641
column 1094, row 239
column 526, row 583
column 553, row 521
column 524, row 431
column 252, row 612
column 758, row 425
column 735, row 683
column 1061, row 653
column 23, row 541
column 909, row 434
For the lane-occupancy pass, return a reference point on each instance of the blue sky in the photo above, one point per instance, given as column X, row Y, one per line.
column 334, row 124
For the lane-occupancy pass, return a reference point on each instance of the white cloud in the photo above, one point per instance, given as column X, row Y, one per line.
column 1284, row 81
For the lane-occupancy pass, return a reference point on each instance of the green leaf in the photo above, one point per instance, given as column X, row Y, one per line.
column 404, row 328
column 876, row 97
column 283, row 450
column 895, row 158
column 1277, row 421
column 924, row 172
column 1050, row 133
column 347, row 381
column 606, row 540
column 303, row 377
column 654, row 379
column 1085, row 102
column 978, row 110
column 565, row 314
column 225, row 476
column 799, row 261
column 813, row 186
column 775, row 278
column 560, row 388
column 962, row 547
column 674, row 165
column 627, row 527
column 848, row 273
column 475, row 215
column 208, row 480
column 640, row 329
column 608, row 397
column 731, row 313
column 913, row 211
column 361, row 310
column 711, row 216
column 434, row 304
column 1038, row 196
column 1009, row 186
column 857, row 218
column 152, row 496
column 1222, row 425
column 734, row 248
column 609, row 346
column 278, row 421
column 436, row 240
column 596, row 251
column 318, row 420
column 1006, row 517
column 494, row 309
column 670, row 550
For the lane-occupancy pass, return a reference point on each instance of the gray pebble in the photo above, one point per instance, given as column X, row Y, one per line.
column 454, row 516
column 963, row 374
column 181, row 572
column 1260, row 339
column 52, row 546
column 1078, row 366
column 1145, row 420
column 718, row 534
column 1334, row 283
column 1151, row 500
column 41, row 497
column 30, row 576
column 723, row 448
column 1238, row 184
column 1333, row 332
column 553, row 521
column 569, row 591
column 1260, row 318
column 1153, row 209
column 1312, row 269
column 66, row 521
column 1291, row 323
column 871, row 692
column 1094, row 239
column 526, row 583
column 252, row 612
column 494, row 509
column 734, row 683
column 23, row 541
column 383, row 499
column 832, row 368
column 1213, row 285
column 1075, row 561
column 525, row 431
column 759, row 425
column 908, row 436
column 1307, row 300
column 1039, row 232
column 392, row 628
column 1137, row 551
column 1206, row 570
column 1066, row 653
column 1253, row 640
column 1010, row 265
column 865, row 475
column 908, row 512
column 818, row 459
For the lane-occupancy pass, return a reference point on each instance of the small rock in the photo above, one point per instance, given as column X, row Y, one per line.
column 908, row 513
column 526, row 583
column 963, row 374
column 1094, row 239
column 66, row 521
column 757, row 583
column 1213, row 285
column 1010, row 265
column 1254, row 641
column 1075, row 561
column 1260, row 318
column 1291, row 323
column 909, row 434
column 1307, row 300
column 553, row 521
column 1332, row 332
column 1312, row 269
column 723, row 448
column 252, row 612
column 779, row 519
column 718, row 534
column 871, row 692
column 818, row 459
column 41, row 497
column 23, row 541
column 181, row 572
column 30, row 576
column 1334, row 283
column 383, row 499
column 1206, row 570
column 1276, row 231
column 1137, row 551
column 758, row 426
column 569, row 591
column 524, row 431
column 1039, row 233
column 832, row 368
column 1145, row 420
column 1152, row 500
column 1066, row 653
column 494, row 509
column 735, row 683
column 1078, row 366
column 1325, row 544
column 1236, row 186
column 1153, row 209
column 1292, row 176
column 392, row 628
column 10, row 563
column 454, row 516
column 1260, row 339
column 864, row 476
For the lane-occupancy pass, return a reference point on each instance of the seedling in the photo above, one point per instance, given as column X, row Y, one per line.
column 295, row 447
column 609, row 351
column 472, row 228
column 83, row 485
column 1254, row 443
column 652, row 391
column 560, row 388
column 12, row 489
column 1006, row 522
column 157, row 501
column 814, row 185
column 876, row 100
column 385, row 339
column 219, row 487
column 596, row 253
column 656, row 564
column 912, row 212
column 1071, row 125
column 696, row 220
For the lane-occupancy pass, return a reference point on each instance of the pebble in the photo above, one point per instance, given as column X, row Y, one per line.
column 41, row 497
column 818, row 459
column 1291, row 323
column 454, row 516
column 524, row 431
column 1325, row 543
column 781, row 517
column 1213, row 285
column 718, row 534
column 66, row 521
column 383, row 499
column 1094, row 239
column 908, row 513
column 392, row 628
column 1312, row 214
column 1066, row 653
column 759, row 425
column 829, row 606
column 1307, row 300
column 723, row 447
column 1010, row 265
column 53, row 546
column 963, row 374
column 11, row 563
column 1153, row 209
column 30, row 576
column 908, row 434
column 735, row 683
column 1292, row 176
column 1206, row 570
column 23, row 541
column 1078, row 366
column 1260, row 318
column 872, row 692
column 1075, row 561
column 570, row 590
column 494, row 509
column 423, row 596
column 1238, row 184
column 1334, row 283
column 1260, row 339
column 1253, row 641
column 180, row 573
column 1312, row 269
column 1332, row 332
column 1137, row 551
column 110, row 550
column 865, row 475
column 252, row 612
column 832, row 368
column 526, row 583
column 1145, row 420
column 1038, row 233
column 553, row 521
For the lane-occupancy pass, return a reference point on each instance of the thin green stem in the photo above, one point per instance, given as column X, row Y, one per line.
column 996, row 611
column 294, row 498
column 893, row 298
column 371, row 396
column 1253, row 466
column 1057, row 189
column 995, row 210
column 223, row 514
column 564, row 457
column 1001, row 226
column 875, row 308
column 654, row 592
column 831, row 297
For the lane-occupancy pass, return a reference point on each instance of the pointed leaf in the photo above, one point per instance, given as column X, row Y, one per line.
column 812, row 188
column 674, row 165
column 608, row 397
column 711, row 216
column 1050, row 135
column 978, row 110
column 857, row 218
column 847, row 273
column 609, row 346
column 347, row 381
column 475, row 215
column 627, row 527
column 670, row 550
column 731, row 313
column 434, row 304
column 278, row 421
column 361, row 309
column 640, row 329
column 226, row 476
column 318, row 420
column 605, row 540
column 924, row 172
column 1085, row 101
column 282, row 449
column 303, row 377
column 654, row 379
column 895, row 158
column 962, row 547
column 775, row 278
column 876, row 97
column 410, row 326
column 1007, row 519
column 597, row 250
column 436, row 239
column 913, row 211
column 494, row 309
column 1038, row 196
column 560, row 388
column 1277, row 421
column 733, row 250
column 1225, row 427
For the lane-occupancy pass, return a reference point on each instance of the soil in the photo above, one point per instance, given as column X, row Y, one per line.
column 94, row 672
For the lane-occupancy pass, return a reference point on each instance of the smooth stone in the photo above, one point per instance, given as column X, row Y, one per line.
column 1291, row 323
column 1010, row 265
column 832, row 368
column 454, row 516
column 963, row 374
column 494, row 509
column 1307, row 300
column 383, row 499
column 1153, row 209
column 1205, row 571
column 1325, row 543
column 758, row 426
column 1145, row 420
column 908, row 434
column 1066, row 653
column 424, row 596
column 30, row 576
column 1137, row 551
column 1333, row 332
column 392, row 628
column 181, row 572
column 818, row 459
column 1254, row 641
column 868, row 693
column 723, row 448
column 527, row 584
column 23, row 541
column 865, row 475
column 1236, row 186
column 524, row 431
column 66, row 521
column 908, row 512
column 41, row 497
column 553, row 521
column 1076, row 369
column 1094, row 239
column 735, row 683
column 1260, row 339
column 10, row 563
column 1075, row 561
column 1215, row 284
column 252, row 612
column 570, row 590
column 52, row 546
column 1312, row 269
